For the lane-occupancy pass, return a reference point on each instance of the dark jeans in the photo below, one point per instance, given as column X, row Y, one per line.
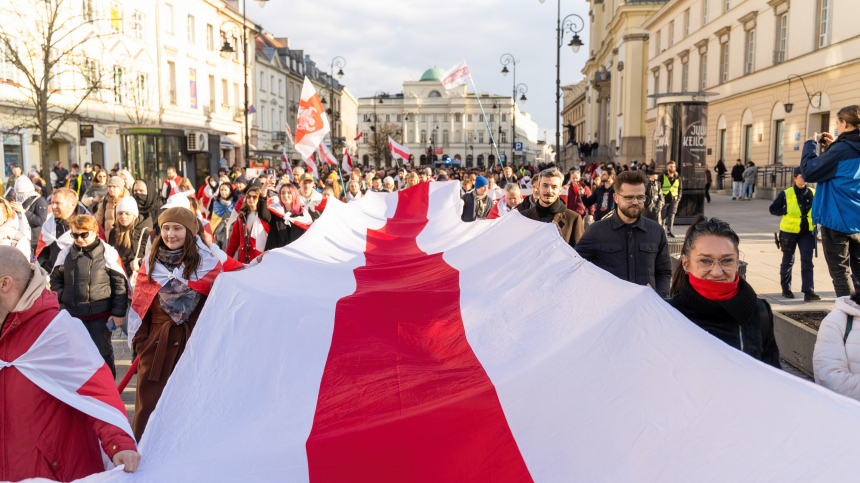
column 806, row 244
column 101, row 337
column 842, row 253
column 707, row 194
column 668, row 214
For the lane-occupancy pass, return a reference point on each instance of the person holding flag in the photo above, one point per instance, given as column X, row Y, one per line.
column 171, row 183
column 311, row 125
column 59, row 409
column 286, row 216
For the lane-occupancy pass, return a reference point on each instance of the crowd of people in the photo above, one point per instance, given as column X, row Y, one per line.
column 87, row 240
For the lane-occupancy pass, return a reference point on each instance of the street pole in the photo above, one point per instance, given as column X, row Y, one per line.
column 566, row 25
column 245, row 60
column 341, row 62
column 380, row 95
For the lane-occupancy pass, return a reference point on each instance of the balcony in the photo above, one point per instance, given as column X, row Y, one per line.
column 279, row 135
column 778, row 56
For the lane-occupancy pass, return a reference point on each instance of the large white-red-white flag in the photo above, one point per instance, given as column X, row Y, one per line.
column 456, row 76
column 374, row 377
column 312, row 123
column 398, row 150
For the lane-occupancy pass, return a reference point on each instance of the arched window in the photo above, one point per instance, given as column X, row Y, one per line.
column 445, row 137
column 492, row 159
column 434, row 94
column 469, row 161
column 423, row 159
column 365, row 159
column 481, row 160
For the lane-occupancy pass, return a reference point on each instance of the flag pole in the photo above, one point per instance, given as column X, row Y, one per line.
column 342, row 185
column 492, row 139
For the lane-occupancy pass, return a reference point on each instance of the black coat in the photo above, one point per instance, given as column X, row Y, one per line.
column 142, row 229
column 469, row 208
column 49, row 253
column 738, row 173
column 280, row 232
column 745, row 322
column 639, row 254
column 526, row 204
column 597, row 198
column 85, row 286
column 36, row 211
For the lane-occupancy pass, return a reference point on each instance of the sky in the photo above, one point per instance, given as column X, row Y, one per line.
column 384, row 42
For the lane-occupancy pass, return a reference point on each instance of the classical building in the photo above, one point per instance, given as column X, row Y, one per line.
column 617, row 64
column 779, row 71
column 436, row 124
column 573, row 122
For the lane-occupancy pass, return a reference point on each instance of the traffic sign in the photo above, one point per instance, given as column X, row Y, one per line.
column 518, row 146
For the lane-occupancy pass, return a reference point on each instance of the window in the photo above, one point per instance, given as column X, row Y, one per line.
column 138, row 20
column 388, row 118
column 503, row 137
column 192, row 85
column 90, row 11
column 445, row 117
column 116, row 17
column 434, row 94
column 169, row 20
column 727, row 5
column 262, row 81
column 469, row 117
column 142, row 93
column 444, row 137
column 748, row 140
column 724, row 63
column 480, row 137
column 685, row 76
column 423, row 117
column 706, row 6
column 686, row 24
column 262, row 115
column 822, row 25
column 212, row 94
column 703, row 71
column 280, row 120
column 225, row 93
column 671, row 33
column 281, row 87
column 274, row 124
column 400, row 118
column 8, row 72
column 118, row 87
column 171, row 76
column 192, row 36
column 656, row 83
column 435, row 118
column 423, row 137
column 657, row 43
column 492, row 118
column 480, row 118
column 779, row 137
column 749, row 57
column 504, row 118
column 210, row 37
column 271, row 83
column 457, row 117
column 94, row 75
column 433, row 138
column 781, row 39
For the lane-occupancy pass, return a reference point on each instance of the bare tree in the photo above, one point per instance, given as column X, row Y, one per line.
column 139, row 96
column 379, row 141
column 43, row 44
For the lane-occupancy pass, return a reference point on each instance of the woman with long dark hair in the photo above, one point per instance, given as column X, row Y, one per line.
column 165, row 306
column 246, row 231
column 129, row 235
column 707, row 289
column 220, row 209
column 287, row 218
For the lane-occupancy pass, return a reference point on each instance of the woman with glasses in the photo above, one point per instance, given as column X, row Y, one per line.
column 247, row 231
column 97, row 191
column 707, row 289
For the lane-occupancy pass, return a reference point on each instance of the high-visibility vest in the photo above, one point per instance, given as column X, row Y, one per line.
column 791, row 221
column 673, row 188
column 80, row 178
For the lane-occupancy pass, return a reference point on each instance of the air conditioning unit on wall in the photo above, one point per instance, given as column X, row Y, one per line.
column 197, row 142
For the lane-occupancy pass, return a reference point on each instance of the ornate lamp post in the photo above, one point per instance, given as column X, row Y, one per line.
column 506, row 60
column 340, row 63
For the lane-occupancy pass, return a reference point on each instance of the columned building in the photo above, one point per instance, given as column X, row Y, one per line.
column 779, row 70
column 436, row 124
column 573, row 122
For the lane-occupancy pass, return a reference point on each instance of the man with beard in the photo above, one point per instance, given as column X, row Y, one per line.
column 627, row 244
column 551, row 209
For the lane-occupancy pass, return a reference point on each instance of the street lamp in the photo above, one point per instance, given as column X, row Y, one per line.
column 377, row 96
column 228, row 49
column 567, row 25
column 338, row 62
column 506, row 60
column 789, row 106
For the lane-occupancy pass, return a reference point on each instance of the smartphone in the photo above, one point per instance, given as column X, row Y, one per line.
column 110, row 325
column 818, row 136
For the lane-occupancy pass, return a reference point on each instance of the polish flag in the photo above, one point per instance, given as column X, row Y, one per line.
column 397, row 150
column 347, row 161
column 312, row 123
column 48, row 234
column 213, row 261
column 285, row 164
column 64, row 362
column 326, row 155
column 374, row 377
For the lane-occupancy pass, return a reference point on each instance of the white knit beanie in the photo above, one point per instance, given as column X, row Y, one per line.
column 177, row 200
column 128, row 205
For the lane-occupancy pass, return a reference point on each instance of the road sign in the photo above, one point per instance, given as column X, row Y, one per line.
column 518, row 147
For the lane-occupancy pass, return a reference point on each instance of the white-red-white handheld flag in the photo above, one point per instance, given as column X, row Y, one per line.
column 456, row 76
column 312, row 166
column 398, row 150
column 326, row 155
column 312, row 123
column 285, row 164
column 347, row 161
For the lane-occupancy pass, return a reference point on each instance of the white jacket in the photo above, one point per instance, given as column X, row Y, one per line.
column 836, row 364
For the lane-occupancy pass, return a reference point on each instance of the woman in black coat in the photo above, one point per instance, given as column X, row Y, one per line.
column 283, row 216
column 706, row 288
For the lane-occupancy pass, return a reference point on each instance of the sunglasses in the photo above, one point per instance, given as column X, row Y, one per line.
column 80, row 236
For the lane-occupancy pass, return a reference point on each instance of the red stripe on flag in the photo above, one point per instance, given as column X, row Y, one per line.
column 101, row 387
column 403, row 397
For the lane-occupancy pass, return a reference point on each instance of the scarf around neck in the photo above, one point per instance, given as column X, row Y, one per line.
column 716, row 291
column 556, row 207
column 176, row 299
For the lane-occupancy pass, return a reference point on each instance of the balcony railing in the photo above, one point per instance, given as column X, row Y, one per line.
column 778, row 56
column 279, row 135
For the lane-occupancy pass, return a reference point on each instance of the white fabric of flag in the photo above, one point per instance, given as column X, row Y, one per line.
column 398, row 150
column 456, row 76
column 312, row 123
column 626, row 389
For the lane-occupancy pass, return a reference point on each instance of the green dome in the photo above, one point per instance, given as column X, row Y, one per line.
column 434, row 74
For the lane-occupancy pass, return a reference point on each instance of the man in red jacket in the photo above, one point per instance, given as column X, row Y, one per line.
column 40, row 435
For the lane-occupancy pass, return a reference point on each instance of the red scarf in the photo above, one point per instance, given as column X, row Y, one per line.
column 712, row 290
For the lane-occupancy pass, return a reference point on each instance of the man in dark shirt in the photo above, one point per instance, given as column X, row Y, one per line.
column 603, row 197
column 796, row 231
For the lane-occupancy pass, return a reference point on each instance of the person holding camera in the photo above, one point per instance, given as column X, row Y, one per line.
column 90, row 283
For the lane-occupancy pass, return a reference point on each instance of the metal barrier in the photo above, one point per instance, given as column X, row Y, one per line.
column 770, row 176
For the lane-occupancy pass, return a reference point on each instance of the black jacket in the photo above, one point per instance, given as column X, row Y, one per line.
column 142, row 229
column 280, row 233
column 85, row 286
column 738, row 172
column 603, row 205
column 48, row 255
column 469, row 207
column 639, row 254
column 720, row 168
column 526, row 204
column 779, row 207
column 745, row 322
column 86, row 182
column 36, row 211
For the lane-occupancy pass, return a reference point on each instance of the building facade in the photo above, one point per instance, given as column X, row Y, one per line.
column 436, row 124
column 573, row 121
column 751, row 55
column 615, row 97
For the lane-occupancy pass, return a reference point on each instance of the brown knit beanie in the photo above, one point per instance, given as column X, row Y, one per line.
column 183, row 216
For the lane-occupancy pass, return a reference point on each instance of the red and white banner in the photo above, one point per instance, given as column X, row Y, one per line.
column 456, row 76
column 286, row 166
column 289, row 134
column 170, row 187
column 401, row 344
column 326, row 155
column 398, row 150
column 64, row 362
column 312, row 123
column 347, row 162
column 312, row 166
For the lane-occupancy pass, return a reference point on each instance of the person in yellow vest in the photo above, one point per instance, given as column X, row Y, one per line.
column 796, row 229
column 671, row 183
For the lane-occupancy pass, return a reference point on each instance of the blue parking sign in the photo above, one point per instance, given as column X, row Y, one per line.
column 518, row 146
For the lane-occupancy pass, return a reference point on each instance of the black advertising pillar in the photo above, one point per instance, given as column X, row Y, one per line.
column 680, row 136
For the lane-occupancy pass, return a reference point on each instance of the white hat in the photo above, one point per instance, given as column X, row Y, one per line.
column 24, row 185
column 177, row 200
column 128, row 205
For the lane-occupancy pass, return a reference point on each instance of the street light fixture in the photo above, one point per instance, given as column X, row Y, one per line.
column 564, row 26
column 376, row 97
column 789, row 106
column 506, row 60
